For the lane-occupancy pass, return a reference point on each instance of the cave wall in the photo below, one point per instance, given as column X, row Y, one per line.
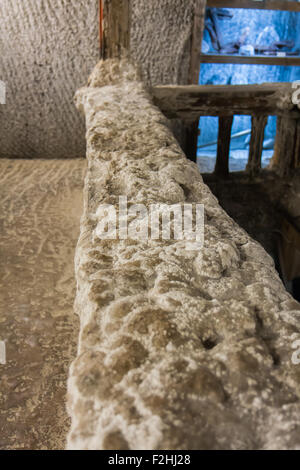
column 165, row 39
column 160, row 39
column 48, row 47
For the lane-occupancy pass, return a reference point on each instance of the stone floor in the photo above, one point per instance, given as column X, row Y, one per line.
column 40, row 209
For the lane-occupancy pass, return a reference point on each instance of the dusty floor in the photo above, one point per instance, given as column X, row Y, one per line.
column 40, row 209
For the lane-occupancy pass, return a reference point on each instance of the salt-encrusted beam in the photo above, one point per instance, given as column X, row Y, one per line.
column 179, row 348
column 191, row 101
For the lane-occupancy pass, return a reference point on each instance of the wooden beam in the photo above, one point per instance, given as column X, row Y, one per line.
column 115, row 28
column 256, row 143
column 224, row 136
column 256, row 4
column 249, row 59
column 191, row 101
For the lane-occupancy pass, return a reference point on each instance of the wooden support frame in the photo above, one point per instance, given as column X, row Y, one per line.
column 259, row 119
column 188, row 103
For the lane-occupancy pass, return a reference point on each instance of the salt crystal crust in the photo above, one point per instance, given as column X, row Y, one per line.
column 177, row 349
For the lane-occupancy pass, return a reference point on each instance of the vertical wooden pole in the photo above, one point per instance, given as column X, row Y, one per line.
column 256, row 143
column 116, row 28
column 101, row 27
column 296, row 161
column 224, row 136
column 285, row 145
column 191, row 131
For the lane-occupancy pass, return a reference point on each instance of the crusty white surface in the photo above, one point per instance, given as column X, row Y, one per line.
column 47, row 49
column 178, row 349
column 160, row 39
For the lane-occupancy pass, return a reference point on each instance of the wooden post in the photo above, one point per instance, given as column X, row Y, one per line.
column 101, row 26
column 196, row 41
column 285, row 145
column 191, row 130
column 115, row 28
column 256, row 143
column 191, row 140
column 224, row 136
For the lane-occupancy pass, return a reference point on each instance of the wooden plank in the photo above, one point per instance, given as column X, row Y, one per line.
column 256, row 143
column 115, row 28
column 249, row 59
column 224, row 136
column 257, row 5
column 191, row 101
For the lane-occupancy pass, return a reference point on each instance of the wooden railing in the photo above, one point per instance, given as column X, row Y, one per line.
column 190, row 102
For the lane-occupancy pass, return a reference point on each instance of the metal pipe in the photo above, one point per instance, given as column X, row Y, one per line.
column 234, row 136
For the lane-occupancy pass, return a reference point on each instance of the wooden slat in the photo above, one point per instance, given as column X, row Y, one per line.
column 256, row 143
column 191, row 101
column 224, row 135
column 257, row 5
column 249, row 59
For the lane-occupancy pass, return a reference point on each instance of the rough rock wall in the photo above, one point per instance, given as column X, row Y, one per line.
column 47, row 48
column 178, row 349
column 160, row 39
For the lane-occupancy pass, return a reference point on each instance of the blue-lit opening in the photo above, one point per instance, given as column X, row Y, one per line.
column 249, row 28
